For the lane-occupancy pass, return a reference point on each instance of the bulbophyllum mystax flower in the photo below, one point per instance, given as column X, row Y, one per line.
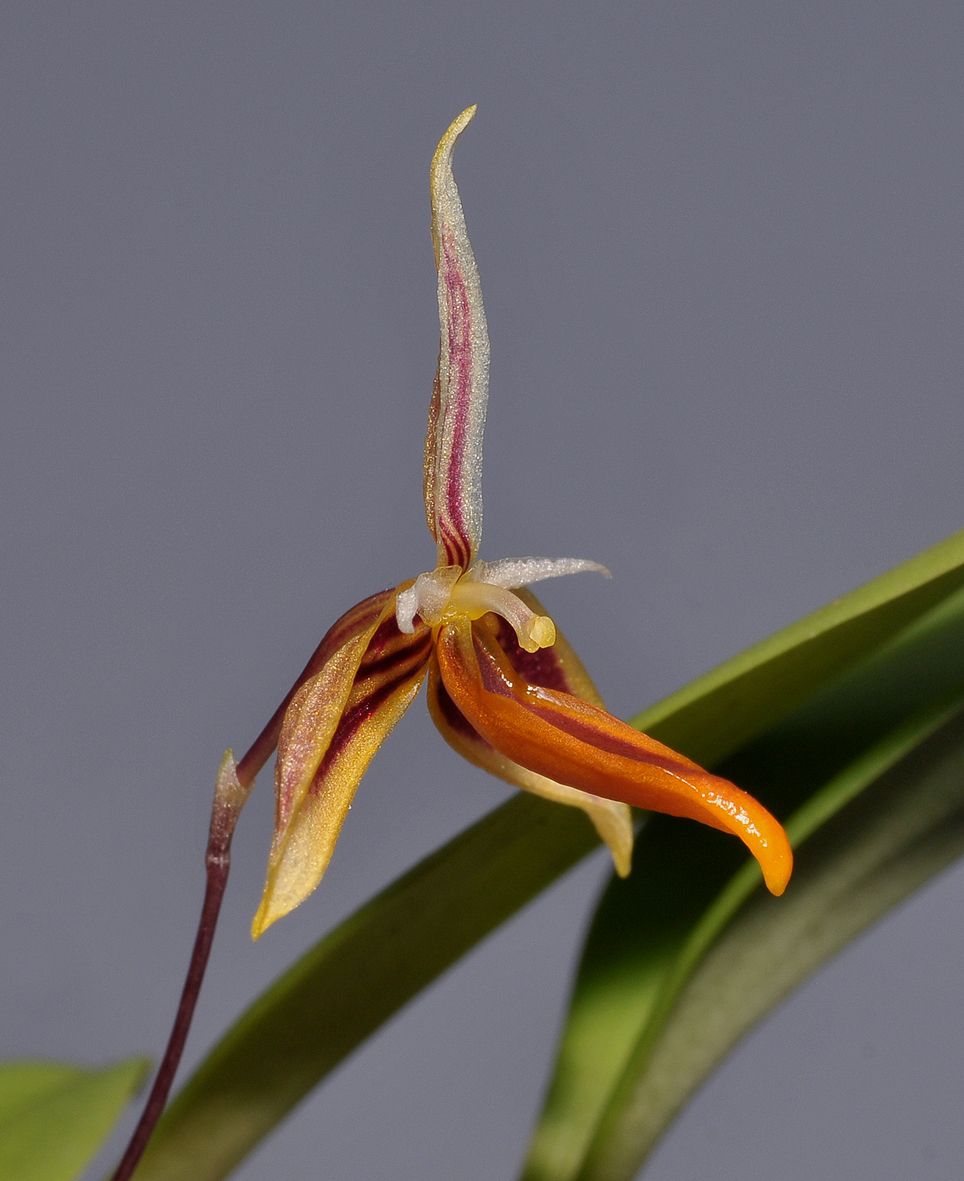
column 504, row 687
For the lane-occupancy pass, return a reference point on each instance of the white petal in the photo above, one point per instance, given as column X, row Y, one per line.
column 511, row 573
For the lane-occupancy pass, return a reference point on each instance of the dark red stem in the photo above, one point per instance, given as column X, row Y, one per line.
column 218, row 864
column 224, row 818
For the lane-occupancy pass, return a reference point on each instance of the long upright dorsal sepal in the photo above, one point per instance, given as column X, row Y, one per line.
column 453, row 446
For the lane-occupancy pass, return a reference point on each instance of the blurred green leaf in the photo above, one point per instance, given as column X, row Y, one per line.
column 381, row 957
column 613, row 1092
column 356, row 978
column 886, row 843
column 743, row 697
column 54, row 1116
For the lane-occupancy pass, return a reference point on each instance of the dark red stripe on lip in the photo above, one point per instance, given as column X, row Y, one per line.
column 601, row 739
column 454, row 716
column 538, row 668
column 495, row 680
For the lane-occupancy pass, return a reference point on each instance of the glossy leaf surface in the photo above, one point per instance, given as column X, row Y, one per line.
column 899, row 831
column 356, row 978
column 717, row 713
column 650, row 934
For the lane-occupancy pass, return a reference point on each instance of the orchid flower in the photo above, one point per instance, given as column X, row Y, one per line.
column 504, row 687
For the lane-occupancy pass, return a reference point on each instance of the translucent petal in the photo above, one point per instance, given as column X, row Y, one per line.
column 512, row 573
column 428, row 596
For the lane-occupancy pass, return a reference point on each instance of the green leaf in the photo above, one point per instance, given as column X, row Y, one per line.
column 611, row 1095
column 54, row 1116
column 720, row 711
column 370, row 966
column 356, row 978
column 889, row 841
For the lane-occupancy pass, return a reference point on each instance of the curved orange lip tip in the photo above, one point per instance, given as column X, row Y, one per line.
column 777, row 867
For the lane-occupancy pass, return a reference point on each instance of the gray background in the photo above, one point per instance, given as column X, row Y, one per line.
column 721, row 248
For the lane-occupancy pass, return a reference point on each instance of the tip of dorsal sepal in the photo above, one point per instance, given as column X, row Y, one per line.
column 442, row 160
column 462, row 121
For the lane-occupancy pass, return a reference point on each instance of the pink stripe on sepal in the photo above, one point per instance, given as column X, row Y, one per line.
column 334, row 724
column 453, row 445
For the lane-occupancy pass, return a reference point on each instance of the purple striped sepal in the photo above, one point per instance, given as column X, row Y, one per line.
column 452, row 475
column 334, row 724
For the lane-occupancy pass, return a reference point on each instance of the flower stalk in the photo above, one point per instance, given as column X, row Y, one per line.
column 232, row 789
column 230, row 797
